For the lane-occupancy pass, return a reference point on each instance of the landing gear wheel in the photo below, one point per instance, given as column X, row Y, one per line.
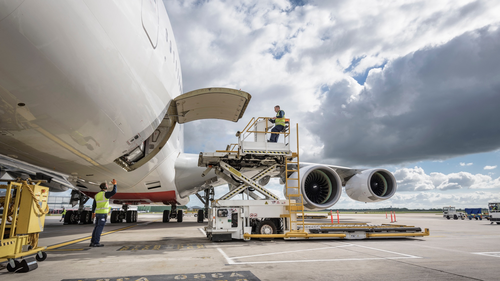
column 166, row 216
column 200, row 216
column 85, row 217
column 113, row 218
column 41, row 256
column 16, row 266
column 73, row 217
column 179, row 216
column 135, row 216
column 266, row 227
column 130, row 215
column 67, row 217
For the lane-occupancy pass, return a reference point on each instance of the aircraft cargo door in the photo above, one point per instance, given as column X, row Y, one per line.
column 210, row 103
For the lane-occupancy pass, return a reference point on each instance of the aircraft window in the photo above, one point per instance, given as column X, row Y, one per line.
column 166, row 34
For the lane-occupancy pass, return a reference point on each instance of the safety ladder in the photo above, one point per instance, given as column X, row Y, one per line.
column 295, row 199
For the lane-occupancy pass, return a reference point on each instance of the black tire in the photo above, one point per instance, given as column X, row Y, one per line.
column 85, row 217
column 179, row 216
column 135, row 216
column 44, row 256
column 166, row 215
column 129, row 216
column 113, row 218
column 455, row 217
column 448, row 217
column 16, row 266
column 67, row 217
column 200, row 216
column 266, row 227
column 74, row 217
column 498, row 222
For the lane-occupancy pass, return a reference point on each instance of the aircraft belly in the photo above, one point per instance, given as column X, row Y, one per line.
column 74, row 91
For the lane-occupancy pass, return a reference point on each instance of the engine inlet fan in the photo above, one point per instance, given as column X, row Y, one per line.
column 378, row 184
column 318, row 187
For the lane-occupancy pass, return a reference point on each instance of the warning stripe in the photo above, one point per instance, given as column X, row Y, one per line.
column 265, row 152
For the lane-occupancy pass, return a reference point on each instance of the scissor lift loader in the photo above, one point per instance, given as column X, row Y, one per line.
column 268, row 216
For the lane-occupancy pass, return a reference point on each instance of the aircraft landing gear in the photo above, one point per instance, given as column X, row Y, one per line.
column 172, row 214
column 128, row 215
column 80, row 216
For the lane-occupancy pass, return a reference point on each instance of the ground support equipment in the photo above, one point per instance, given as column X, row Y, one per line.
column 23, row 218
column 494, row 212
column 247, row 167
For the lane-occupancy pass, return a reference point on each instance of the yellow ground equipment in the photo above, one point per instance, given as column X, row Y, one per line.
column 24, row 206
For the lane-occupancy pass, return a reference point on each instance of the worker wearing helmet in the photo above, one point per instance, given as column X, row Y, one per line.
column 100, row 208
column 279, row 124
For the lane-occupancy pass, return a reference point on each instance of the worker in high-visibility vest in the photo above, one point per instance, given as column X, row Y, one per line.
column 63, row 214
column 101, row 208
column 279, row 124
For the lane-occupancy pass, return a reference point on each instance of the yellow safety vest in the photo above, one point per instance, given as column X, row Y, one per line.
column 64, row 212
column 101, row 203
column 280, row 121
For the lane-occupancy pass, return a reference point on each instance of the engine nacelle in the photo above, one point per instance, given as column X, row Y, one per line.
column 372, row 185
column 320, row 186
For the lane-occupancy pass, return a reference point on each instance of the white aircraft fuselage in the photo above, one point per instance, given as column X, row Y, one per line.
column 84, row 82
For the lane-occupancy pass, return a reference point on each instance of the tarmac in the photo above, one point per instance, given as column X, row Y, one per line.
column 152, row 250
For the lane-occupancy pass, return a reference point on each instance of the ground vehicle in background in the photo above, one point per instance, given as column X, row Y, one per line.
column 494, row 209
column 475, row 213
column 451, row 213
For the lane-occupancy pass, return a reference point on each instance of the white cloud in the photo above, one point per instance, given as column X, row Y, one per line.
column 304, row 58
column 490, row 167
column 465, row 164
column 415, row 179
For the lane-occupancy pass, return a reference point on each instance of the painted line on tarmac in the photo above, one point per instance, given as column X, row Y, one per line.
column 489, row 254
column 66, row 250
column 86, row 238
column 288, row 252
column 202, row 231
column 232, row 260
column 391, row 252
column 210, row 276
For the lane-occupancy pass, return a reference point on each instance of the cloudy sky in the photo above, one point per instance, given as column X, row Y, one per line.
column 410, row 86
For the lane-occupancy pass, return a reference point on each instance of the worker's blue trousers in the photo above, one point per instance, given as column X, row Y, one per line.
column 277, row 128
column 99, row 226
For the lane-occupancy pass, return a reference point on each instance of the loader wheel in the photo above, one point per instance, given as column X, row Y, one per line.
column 448, row 217
column 266, row 227
column 16, row 266
column 166, row 216
column 42, row 257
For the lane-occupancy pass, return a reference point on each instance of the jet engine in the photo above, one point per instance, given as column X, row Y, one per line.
column 371, row 185
column 320, row 186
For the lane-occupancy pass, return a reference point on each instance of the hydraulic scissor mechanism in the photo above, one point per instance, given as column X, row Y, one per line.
column 248, row 182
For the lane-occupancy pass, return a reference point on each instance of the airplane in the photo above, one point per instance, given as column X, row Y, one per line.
column 92, row 91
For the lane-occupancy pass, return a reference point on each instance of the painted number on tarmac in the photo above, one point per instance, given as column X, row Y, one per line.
column 162, row 247
column 212, row 276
